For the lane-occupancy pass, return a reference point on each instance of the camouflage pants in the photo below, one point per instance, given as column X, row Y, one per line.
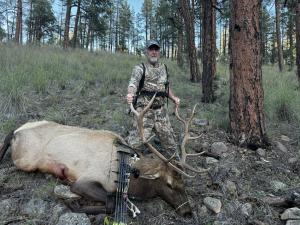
column 155, row 121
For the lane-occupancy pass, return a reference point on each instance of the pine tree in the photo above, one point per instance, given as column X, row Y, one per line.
column 247, row 120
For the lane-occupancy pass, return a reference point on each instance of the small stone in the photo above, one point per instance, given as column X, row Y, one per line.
column 231, row 187
column 293, row 222
column 73, row 218
column 285, row 138
column 35, row 206
column 213, row 204
column 210, row 160
column 278, row 185
column 281, row 147
column 246, row 209
column 205, row 145
column 218, row 148
column 292, row 160
column 64, row 192
column 261, row 152
column 221, row 223
column 291, row 214
column 57, row 211
column 201, row 122
column 203, row 210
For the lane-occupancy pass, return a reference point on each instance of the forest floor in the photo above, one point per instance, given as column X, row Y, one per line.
column 241, row 179
column 240, row 176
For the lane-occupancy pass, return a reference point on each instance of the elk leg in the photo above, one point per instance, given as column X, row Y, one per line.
column 75, row 207
column 94, row 191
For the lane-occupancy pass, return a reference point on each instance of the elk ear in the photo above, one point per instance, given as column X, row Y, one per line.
column 150, row 176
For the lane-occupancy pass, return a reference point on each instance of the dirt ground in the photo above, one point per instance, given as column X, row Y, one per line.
column 250, row 173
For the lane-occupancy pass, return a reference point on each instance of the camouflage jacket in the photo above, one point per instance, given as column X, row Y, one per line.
column 155, row 80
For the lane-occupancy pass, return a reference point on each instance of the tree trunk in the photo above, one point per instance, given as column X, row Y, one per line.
column 188, row 16
column 247, row 120
column 18, row 33
column 117, row 47
column 67, row 23
column 298, row 39
column 225, row 37
column 76, row 23
column 278, row 35
column 180, row 48
column 290, row 34
column 209, row 47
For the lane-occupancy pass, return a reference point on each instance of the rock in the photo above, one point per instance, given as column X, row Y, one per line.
column 8, row 207
column 63, row 192
column 293, row 222
column 218, row 148
column 204, row 145
column 285, row 138
column 213, row 204
column 36, row 206
column 221, row 223
column 246, row 209
column 256, row 222
column 73, row 219
column 281, row 147
column 261, row 152
column 201, row 122
column 277, row 185
column 231, row 188
column 57, row 211
column 292, row 160
column 291, row 214
column 210, row 160
column 203, row 210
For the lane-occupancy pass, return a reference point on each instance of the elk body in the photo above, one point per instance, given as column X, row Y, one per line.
column 88, row 158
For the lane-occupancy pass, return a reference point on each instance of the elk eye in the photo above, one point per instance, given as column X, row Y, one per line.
column 169, row 185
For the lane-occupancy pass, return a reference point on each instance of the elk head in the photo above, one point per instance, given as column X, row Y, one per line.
column 159, row 175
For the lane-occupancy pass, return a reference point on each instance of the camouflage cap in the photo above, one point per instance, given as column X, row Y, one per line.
column 152, row 42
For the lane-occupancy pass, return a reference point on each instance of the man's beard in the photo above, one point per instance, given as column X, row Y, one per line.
column 153, row 60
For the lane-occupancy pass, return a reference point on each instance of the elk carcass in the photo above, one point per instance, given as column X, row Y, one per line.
column 88, row 158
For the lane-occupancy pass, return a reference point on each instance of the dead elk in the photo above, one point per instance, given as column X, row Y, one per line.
column 87, row 158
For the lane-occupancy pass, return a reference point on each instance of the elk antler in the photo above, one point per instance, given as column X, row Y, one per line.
column 187, row 137
column 140, row 125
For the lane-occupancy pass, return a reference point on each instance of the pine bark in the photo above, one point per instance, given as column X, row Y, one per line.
column 298, row 40
column 209, row 47
column 67, row 23
column 247, row 120
column 19, row 22
column 278, row 35
column 225, row 37
column 76, row 23
column 187, row 15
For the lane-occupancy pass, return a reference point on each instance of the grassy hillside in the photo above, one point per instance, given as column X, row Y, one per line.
column 88, row 89
column 31, row 78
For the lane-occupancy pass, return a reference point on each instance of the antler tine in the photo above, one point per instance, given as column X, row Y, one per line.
column 193, row 114
column 177, row 115
column 187, row 137
column 140, row 117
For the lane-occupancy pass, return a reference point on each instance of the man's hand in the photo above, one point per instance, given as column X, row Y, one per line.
column 129, row 98
column 176, row 101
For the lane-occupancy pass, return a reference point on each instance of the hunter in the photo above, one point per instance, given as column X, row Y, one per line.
column 147, row 79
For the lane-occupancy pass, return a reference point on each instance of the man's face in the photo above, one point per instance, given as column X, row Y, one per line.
column 153, row 54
